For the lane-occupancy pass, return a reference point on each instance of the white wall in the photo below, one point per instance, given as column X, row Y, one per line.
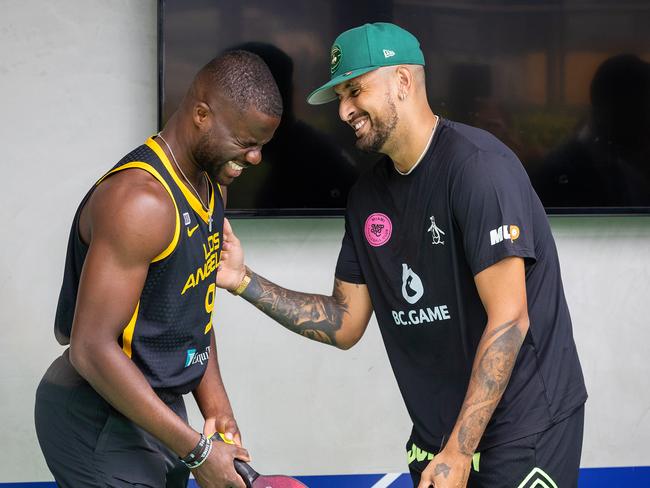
column 77, row 91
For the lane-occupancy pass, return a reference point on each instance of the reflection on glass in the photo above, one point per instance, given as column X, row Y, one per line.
column 606, row 159
column 563, row 83
column 296, row 152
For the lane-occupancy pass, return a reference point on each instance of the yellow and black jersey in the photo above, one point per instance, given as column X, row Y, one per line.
column 168, row 336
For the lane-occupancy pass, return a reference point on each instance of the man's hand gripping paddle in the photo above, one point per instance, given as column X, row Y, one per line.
column 255, row 480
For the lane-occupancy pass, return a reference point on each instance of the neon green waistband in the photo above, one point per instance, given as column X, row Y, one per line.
column 417, row 454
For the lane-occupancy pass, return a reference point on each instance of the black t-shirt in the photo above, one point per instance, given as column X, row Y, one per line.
column 418, row 240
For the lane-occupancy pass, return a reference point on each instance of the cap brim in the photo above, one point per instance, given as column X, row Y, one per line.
column 326, row 92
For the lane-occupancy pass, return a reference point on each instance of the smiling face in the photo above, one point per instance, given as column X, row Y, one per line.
column 232, row 141
column 367, row 104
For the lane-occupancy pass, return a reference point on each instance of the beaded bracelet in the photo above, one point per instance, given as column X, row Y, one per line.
column 199, row 454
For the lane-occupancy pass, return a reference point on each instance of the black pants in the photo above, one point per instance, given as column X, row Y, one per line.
column 549, row 459
column 87, row 443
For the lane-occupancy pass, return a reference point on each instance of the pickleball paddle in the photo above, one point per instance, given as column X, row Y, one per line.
column 255, row 480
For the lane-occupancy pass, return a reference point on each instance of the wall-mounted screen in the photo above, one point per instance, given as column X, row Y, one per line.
column 564, row 83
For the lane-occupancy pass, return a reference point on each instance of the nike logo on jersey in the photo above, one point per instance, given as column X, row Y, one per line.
column 192, row 230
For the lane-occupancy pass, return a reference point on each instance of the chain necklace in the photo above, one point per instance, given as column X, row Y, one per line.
column 423, row 152
column 198, row 195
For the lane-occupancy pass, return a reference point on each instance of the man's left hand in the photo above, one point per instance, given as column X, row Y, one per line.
column 446, row 470
column 226, row 425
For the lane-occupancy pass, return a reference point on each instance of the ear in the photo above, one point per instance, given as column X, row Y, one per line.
column 201, row 114
column 404, row 82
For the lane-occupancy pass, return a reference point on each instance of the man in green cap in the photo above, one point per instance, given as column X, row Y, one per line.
column 447, row 242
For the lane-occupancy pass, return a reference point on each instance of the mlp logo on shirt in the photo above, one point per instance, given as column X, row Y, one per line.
column 504, row 232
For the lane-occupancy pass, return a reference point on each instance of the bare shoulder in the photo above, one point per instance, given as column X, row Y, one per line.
column 132, row 213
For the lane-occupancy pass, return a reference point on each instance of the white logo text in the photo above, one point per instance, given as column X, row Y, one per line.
column 421, row 316
column 504, row 232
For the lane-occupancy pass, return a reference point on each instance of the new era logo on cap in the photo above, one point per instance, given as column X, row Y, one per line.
column 388, row 53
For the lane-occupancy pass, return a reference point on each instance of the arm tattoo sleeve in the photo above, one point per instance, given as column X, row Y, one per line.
column 316, row 317
column 493, row 365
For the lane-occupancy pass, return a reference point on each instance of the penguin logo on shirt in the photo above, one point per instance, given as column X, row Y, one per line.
column 436, row 232
column 412, row 288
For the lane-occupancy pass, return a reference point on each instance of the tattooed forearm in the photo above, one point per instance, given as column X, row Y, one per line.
column 495, row 358
column 316, row 317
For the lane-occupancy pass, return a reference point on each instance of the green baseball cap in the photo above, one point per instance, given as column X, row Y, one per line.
column 364, row 49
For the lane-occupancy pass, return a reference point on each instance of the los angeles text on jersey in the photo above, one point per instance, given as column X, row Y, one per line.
column 421, row 316
column 211, row 254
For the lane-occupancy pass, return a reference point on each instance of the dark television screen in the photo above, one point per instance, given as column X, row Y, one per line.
column 564, row 83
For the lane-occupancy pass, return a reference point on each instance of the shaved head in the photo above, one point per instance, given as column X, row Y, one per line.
column 243, row 79
column 418, row 73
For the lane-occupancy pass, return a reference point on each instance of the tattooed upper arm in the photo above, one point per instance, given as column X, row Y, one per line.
column 356, row 299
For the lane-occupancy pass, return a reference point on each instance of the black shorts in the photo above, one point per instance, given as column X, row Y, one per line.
column 88, row 443
column 547, row 459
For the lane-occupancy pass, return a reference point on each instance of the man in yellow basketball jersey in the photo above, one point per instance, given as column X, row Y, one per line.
column 138, row 292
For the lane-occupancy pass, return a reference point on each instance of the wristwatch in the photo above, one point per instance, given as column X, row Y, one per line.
column 244, row 283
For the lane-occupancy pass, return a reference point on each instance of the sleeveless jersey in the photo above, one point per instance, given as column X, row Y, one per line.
column 168, row 336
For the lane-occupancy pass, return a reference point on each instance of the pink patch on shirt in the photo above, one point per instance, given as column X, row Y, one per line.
column 378, row 229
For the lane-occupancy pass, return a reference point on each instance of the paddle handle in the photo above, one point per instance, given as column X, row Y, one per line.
column 246, row 472
column 243, row 469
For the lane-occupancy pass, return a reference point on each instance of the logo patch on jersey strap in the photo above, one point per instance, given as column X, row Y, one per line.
column 503, row 232
column 537, row 479
column 436, row 232
column 186, row 218
column 378, row 229
column 412, row 288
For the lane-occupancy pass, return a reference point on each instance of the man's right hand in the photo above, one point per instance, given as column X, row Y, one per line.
column 231, row 270
column 218, row 471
